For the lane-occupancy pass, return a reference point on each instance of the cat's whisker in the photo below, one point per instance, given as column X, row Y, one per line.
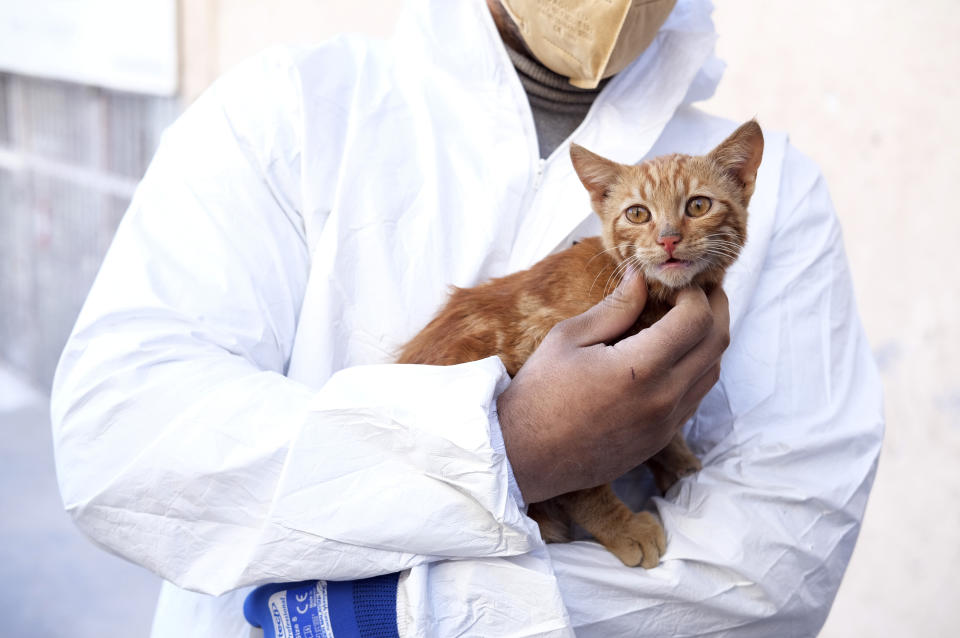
column 623, row 245
column 716, row 260
column 722, row 242
column 607, row 250
column 733, row 248
column 598, row 277
column 614, row 272
column 719, row 253
column 715, row 240
column 594, row 283
column 726, row 265
column 721, row 239
column 611, row 276
column 720, row 235
column 622, row 266
column 727, row 261
column 620, row 269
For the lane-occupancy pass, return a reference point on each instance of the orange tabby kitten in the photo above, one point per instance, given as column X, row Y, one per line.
column 681, row 220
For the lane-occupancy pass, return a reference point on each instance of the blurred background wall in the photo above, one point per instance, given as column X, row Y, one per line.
column 70, row 157
column 86, row 89
column 869, row 89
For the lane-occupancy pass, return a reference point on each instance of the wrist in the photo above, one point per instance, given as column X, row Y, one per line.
column 523, row 452
column 499, row 446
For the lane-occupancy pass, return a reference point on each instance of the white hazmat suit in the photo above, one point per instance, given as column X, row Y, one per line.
column 225, row 413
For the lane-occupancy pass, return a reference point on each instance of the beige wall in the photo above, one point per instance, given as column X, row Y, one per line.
column 870, row 91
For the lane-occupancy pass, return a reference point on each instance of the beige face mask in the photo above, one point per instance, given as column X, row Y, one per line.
column 588, row 40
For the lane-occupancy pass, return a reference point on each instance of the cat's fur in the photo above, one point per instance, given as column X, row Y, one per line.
column 510, row 316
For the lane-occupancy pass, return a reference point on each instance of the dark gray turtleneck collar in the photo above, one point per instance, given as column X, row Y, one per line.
column 558, row 107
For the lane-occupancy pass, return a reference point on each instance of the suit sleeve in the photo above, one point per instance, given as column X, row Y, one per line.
column 180, row 444
column 758, row 541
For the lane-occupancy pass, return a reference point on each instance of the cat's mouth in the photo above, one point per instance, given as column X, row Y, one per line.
column 673, row 262
column 674, row 272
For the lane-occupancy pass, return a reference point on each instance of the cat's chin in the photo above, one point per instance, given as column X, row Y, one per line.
column 673, row 274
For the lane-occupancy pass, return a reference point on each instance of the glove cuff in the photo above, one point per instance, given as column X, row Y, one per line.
column 365, row 608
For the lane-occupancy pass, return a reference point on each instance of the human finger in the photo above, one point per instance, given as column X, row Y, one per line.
column 690, row 401
column 711, row 348
column 720, row 305
column 675, row 334
column 613, row 316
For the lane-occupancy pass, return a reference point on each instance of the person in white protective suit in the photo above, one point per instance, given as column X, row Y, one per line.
column 226, row 414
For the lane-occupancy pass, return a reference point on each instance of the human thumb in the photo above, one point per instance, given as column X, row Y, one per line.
column 614, row 315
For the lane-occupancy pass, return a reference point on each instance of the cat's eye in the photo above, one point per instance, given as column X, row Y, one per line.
column 698, row 206
column 637, row 214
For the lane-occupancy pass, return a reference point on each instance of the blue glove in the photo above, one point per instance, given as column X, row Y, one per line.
column 325, row 609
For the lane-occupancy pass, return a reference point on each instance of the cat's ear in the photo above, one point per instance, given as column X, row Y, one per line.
column 597, row 173
column 739, row 156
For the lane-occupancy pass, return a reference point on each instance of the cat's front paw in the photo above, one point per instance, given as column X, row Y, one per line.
column 640, row 541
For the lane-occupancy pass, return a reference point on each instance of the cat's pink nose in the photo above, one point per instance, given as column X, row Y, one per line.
column 669, row 243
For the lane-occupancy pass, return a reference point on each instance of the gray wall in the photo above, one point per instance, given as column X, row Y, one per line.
column 70, row 157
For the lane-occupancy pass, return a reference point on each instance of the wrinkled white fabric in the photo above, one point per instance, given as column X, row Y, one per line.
column 225, row 415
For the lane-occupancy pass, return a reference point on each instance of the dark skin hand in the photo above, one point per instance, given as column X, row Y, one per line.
column 580, row 413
